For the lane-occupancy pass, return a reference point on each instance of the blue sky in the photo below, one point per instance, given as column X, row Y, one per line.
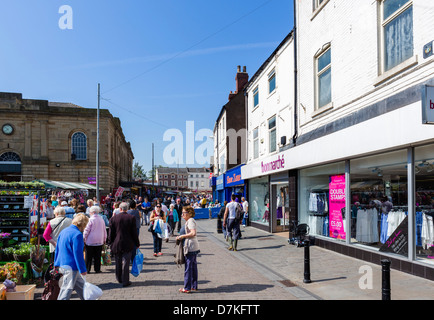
column 160, row 63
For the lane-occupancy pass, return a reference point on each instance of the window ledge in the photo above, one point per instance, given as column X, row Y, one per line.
column 395, row 70
column 321, row 110
column 318, row 9
column 272, row 93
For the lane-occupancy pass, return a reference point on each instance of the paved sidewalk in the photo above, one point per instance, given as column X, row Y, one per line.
column 265, row 267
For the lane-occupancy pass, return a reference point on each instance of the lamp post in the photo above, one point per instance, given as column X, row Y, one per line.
column 97, row 146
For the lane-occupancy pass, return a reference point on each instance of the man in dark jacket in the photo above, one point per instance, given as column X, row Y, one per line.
column 123, row 239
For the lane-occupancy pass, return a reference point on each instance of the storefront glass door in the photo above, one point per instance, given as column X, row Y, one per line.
column 280, row 207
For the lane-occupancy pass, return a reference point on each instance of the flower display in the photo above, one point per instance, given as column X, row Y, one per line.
column 12, row 271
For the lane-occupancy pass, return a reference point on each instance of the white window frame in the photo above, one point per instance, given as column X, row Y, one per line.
column 271, row 76
column 270, row 130
column 255, row 94
column 318, row 73
column 406, row 63
column 255, row 143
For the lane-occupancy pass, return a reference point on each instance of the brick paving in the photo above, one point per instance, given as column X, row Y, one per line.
column 265, row 267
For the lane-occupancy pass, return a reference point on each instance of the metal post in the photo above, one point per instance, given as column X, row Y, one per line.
column 97, row 146
column 306, row 279
column 385, row 290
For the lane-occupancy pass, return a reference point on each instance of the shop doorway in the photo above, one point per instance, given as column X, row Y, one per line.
column 280, row 205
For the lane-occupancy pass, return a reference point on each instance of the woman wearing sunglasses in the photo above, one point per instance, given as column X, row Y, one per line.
column 156, row 215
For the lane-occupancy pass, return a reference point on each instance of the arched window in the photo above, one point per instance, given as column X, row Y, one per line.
column 79, row 146
column 10, row 157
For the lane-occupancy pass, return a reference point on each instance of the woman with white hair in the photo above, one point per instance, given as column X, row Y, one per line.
column 54, row 227
column 95, row 236
column 69, row 257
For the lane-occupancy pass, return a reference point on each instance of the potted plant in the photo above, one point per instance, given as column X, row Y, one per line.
column 22, row 252
column 8, row 254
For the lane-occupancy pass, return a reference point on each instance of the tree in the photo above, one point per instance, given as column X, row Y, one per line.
column 138, row 172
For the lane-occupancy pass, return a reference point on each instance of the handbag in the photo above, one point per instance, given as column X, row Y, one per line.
column 179, row 253
column 137, row 264
column 52, row 288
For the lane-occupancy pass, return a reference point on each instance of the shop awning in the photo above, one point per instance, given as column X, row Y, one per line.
column 68, row 185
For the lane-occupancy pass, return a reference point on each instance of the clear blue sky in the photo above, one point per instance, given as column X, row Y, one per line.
column 160, row 63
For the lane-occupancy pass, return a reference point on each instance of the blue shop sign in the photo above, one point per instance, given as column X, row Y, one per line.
column 233, row 177
column 220, row 183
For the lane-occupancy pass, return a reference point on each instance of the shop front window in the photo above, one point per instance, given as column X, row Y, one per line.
column 259, row 210
column 379, row 206
column 321, row 199
column 424, row 172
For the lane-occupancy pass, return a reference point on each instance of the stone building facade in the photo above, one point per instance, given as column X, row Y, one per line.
column 58, row 141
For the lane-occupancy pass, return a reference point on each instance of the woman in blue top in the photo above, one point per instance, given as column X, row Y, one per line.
column 69, row 257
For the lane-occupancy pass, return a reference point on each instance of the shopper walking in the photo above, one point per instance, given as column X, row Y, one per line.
column 245, row 205
column 178, row 208
column 95, row 236
column 191, row 250
column 54, row 227
column 232, row 222
column 123, row 239
column 69, row 258
column 146, row 207
column 172, row 218
column 157, row 220
column 221, row 217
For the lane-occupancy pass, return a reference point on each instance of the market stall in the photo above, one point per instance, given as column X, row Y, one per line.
column 22, row 209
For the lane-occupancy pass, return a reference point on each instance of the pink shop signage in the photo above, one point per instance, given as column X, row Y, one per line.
column 274, row 165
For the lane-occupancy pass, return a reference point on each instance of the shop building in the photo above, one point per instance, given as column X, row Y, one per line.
column 270, row 127
column 229, row 136
column 363, row 156
column 57, row 141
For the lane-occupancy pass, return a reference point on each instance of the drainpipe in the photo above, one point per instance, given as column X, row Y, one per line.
column 294, row 34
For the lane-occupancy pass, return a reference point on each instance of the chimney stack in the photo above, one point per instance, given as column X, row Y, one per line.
column 241, row 80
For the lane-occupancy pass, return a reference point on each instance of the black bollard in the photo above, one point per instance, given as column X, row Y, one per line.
column 306, row 244
column 385, row 290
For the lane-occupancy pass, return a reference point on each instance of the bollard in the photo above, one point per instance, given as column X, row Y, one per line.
column 385, row 291
column 306, row 244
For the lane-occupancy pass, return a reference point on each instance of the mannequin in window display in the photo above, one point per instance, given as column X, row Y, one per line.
column 266, row 216
column 279, row 204
column 255, row 209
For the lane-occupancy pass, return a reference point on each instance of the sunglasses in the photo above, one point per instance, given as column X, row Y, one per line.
column 158, row 206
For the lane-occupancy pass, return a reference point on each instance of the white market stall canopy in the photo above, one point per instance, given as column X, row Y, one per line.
column 68, row 185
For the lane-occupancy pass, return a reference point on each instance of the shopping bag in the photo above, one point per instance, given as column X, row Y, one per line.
column 91, row 291
column 137, row 264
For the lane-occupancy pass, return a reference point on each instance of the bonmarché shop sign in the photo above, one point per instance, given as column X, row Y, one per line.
column 274, row 165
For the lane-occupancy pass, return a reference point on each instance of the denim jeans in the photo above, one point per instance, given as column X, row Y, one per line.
column 233, row 230
column 72, row 280
column 158, row 242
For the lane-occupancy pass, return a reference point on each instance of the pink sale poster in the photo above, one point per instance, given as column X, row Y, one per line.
column 336, row 206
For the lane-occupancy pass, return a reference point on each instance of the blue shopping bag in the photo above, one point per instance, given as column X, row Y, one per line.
column 137, row 264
